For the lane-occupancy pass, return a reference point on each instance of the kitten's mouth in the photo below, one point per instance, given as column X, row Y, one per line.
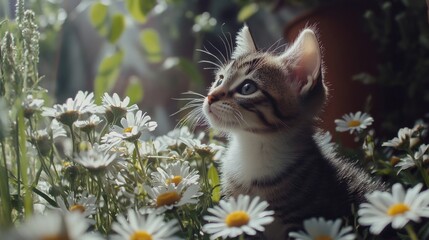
column 216, row 119
column 214, row 116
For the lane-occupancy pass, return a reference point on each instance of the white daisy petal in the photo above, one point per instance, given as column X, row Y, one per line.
column 316, row 228
column 152, row 226
column 396, row 208
column 353, row 122
column 239, row 216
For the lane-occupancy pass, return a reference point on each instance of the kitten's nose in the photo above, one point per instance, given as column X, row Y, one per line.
column 215, row 96
column 211, row 99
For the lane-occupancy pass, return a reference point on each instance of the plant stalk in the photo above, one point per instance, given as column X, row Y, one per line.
column 28, row 201
column 4, row 191
column 411, row 232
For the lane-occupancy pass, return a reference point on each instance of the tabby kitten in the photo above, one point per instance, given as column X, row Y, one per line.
column 267, row 104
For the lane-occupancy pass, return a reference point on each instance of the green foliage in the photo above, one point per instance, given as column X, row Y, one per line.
column 134, row 90
column 139, row 9
column 117, row 28
column 247, row 11
column 400, row 33
column 150, row 41
column 214, row 181
column 18, row 78
column 98, row 15
column 107, row 25
column 107, row 74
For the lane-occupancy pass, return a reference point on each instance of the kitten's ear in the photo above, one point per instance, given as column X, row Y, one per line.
column 304, row 58
column 245, row 43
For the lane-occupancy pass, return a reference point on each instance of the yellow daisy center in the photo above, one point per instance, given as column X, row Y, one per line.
column 77, row 208
column 176, row 180
column 167, row 198
column 237, row 219
column 141, row 235
column 398, row 208
column 323, row 237
column 128, row 130
column 354, row 123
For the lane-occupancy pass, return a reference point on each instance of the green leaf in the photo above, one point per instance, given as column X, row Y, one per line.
column 117, row 27
column 140, row 8
column 149, row 39
column 134, row 90
column 98, row 17
column 147, row 5
column 247, row 11
column 3, row 22
column 107, row 74
column 214, row 183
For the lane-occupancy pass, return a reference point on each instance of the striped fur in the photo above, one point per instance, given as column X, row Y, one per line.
column 266, row 104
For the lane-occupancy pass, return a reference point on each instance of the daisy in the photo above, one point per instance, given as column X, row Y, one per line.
column 88, row 125
column 168, row 197
column 235, row 217
column 319, row 228
column 57, row 129
column 175, row 173
column 411, row 161
column 32, row 105
column 114, row 108
column 132, row 127
column 86, row 204
column 406, row 138
column 70, row 111
column 421, row 151
column 42, row 138
column 56, row 225
column 397, row 208
column 175, row 137
column 95, row 159
column 353, row 122
column 140, row 226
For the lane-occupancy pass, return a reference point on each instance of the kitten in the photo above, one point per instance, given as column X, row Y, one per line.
column 267, row 105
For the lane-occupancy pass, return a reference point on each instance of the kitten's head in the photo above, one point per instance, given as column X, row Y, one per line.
column 265, row 92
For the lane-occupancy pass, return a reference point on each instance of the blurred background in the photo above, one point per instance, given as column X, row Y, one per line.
column 376, row 52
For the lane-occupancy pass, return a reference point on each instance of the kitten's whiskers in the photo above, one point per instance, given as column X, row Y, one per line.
column 210, row 62
column 228, row 45
column 276, row 46
column 195, row 116
column 219, row 51
column 210, row 54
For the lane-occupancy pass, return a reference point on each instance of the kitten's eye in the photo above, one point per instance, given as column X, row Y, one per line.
column 247, row 87
column 219, row 82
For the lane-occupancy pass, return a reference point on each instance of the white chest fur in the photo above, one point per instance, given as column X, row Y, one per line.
column 257, row 156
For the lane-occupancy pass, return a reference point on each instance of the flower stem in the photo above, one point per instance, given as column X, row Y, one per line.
column 139, row 159
column 28, row 201
column 424, row 174
column 411, row 232
column 73, row 138
column 4, row 191
column 176, row 214
column 204, row 173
